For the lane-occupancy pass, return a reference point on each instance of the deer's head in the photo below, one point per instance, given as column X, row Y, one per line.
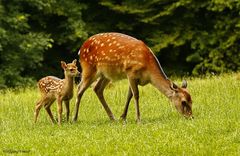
column 70, row 69
column 182, row 99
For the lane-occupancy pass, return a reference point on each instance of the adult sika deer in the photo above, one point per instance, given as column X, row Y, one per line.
column 114, row 56
column 53, row 88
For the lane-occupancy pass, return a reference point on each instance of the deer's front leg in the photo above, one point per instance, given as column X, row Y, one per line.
column 59, row 100
column 129, row 96
column 67, row 109
column 134, row 87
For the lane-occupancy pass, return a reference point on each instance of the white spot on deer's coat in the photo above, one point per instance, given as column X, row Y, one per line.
column 116, row 55
column 140, row 56
column 114, row 42
column 103, row 53
column 109, row 44
column 107, row 58
column 108, row 40
column 102, row 44
column 133, row 54
column 139, row 63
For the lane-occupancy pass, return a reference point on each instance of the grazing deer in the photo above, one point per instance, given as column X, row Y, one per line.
column 53, row 88
column 115, row 56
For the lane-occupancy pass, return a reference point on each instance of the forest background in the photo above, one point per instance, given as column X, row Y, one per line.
column 189, row 37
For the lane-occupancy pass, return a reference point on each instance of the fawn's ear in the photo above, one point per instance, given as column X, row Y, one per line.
column 184, row 84
column 74, row 61
column 64, row 65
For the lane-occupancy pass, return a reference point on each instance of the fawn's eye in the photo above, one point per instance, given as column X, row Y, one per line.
column 184, row 104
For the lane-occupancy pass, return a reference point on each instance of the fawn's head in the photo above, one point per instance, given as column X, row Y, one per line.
column 182, row 99
column 70, row 69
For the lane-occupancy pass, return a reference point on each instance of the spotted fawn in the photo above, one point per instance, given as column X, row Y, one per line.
column 114, row 56
column 53, row 88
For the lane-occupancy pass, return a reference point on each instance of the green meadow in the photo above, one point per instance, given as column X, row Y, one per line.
column 215, row 129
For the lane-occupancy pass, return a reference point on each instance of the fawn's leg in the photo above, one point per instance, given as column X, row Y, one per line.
column 59, row 101
column 101, row 84
column 134, row 87
column 39, row 105
column 129, row 97
column 48, row 109
column 67, row 108
column 37, row 109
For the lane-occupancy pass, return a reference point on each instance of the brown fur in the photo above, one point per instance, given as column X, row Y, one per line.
column 53, row 88
column 115, row 56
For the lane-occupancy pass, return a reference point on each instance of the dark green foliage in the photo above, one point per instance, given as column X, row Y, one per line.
column 195, row 37
column 201, row 37
column 32, row 34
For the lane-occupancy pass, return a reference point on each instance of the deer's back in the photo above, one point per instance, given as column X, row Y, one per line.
column 115, row 54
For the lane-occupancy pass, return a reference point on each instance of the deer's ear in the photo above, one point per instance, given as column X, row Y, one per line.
column 174, row 86
column 184, row 84
column 64, row 65
column 74, row 61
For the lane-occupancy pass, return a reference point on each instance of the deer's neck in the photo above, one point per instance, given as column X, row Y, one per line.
column 160, row 80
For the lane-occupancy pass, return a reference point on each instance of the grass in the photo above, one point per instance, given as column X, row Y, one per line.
column 214, row 131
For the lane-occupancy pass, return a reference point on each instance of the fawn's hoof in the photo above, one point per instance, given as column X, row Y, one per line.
column 138, row 121
column 74, row 120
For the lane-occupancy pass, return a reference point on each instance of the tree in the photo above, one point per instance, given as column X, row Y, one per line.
column 195, row 37
column 200, row 36
column 30, row 33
